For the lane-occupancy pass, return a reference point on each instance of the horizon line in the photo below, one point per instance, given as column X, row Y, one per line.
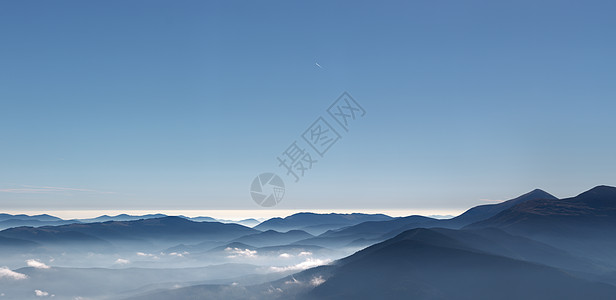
column 229, row 214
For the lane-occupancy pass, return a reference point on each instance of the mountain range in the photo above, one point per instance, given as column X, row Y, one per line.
column 534, row 246
column 318, row 223
column 9, row 221
column 524, row 248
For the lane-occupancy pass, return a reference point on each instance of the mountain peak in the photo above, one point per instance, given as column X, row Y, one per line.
column 486, row 211
column 602, row 193
column 602, row 189
column 537, row 194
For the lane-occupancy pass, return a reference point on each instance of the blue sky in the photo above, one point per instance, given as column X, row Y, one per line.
column 179, row 105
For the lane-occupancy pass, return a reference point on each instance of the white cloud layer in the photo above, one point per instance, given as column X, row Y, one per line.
column 308, row 263
column 37, row 264
column 316, row 281
column 179, row 254
column 238, row 252
column 5, row 272
column 122, row 261
column 142, row 254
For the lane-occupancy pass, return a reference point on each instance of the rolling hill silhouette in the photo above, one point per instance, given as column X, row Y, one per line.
column 584, row 224
column 318, row 223
column 165, row 231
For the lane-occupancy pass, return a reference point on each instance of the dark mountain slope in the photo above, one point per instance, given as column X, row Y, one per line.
column 417, row 264
column 317, row 223
column 372, row 232
column 274, row 238
column 482, row 212
column 422, row 270
column 584, row 225
column 594, row 207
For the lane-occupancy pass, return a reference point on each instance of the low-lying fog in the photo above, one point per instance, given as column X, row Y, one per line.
column 76, row 273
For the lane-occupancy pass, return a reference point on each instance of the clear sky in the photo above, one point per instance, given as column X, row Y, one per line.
column 153, row 105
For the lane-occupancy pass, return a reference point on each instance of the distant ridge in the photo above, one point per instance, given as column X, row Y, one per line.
column 10, row 221
column 121, row 217
column 486, row 211
column 165, row 230
column 273, row 238
column 318, row 223
column 43, row 217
